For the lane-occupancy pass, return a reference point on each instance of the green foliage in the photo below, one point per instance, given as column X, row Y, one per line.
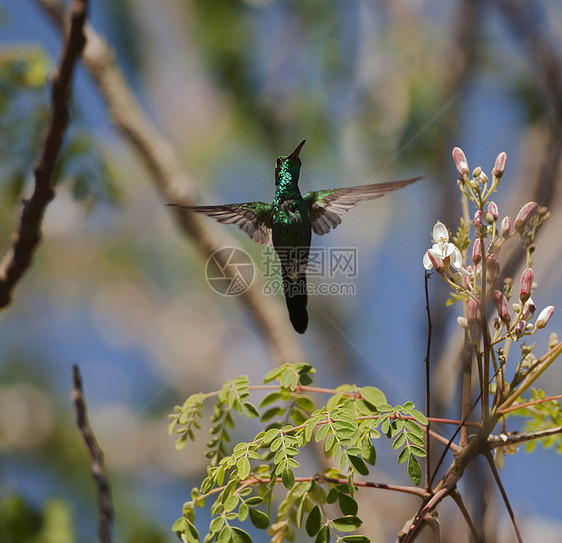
column 24, row 104
column 540, row 417
column 20, row 523
column 243, row 482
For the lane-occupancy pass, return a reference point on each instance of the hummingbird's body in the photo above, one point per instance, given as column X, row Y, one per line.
column 288, row 223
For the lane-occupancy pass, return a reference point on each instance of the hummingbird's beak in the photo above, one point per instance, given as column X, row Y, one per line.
column 295, row 153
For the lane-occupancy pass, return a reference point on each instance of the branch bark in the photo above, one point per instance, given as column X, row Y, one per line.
column 105, row 506
column 162, row 164
column 18, row 258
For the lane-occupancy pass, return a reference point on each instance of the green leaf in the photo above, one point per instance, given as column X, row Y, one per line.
column 403, row 456
column 216, row 525
column 358, row 465
column 300, row 511
column 414, row 470
column 416, row 440
column 179, row 525
column 288, row 478
column 259, row 519
column 299, row 417
column 231, row 503
column 335, row 399
column 270, row 435
column 368, row 452
column 399, row 441
column 323, row 535
column 240, row 536
column 418, row 451
column 273, row 374
column 348, row 523
column 224, row 535
column 373, row 395
column 313, row 521
column 251, row 410
column 348, row 505
column 270, row 398
column 414, row 428
column 243, row 467
column 332, row 496
column 321, row 433
column 305, row 403
column 272, row 413
column 355, row 539
column 191, row 533
column 254, row 500
column 420, row 417
column 243, row 511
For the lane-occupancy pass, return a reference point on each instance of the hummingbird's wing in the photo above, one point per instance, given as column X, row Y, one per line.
column 254, row 218
column 326, row 206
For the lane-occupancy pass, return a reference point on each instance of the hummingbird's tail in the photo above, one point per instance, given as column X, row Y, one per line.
column 296, row 298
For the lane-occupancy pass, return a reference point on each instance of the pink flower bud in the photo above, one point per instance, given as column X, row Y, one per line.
column 477, row 251
column 493, row 210
column 505, row 227
column 460, row 162
column 499, row 166
column 520, row 328
column 526, row 284
column 525, row 213
column 478, row 218
column 472, row 311
column 544, row 317
column 529, row 309
column 483, row 178
column 502, row 307
column 435, row 259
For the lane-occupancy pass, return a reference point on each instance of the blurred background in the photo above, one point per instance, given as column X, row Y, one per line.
column 381, row 91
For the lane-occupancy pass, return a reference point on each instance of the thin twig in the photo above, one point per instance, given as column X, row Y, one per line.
column 504, row 440
column 18, row 258
column 504, row 496
column 105, row 507
column 174, row 186
column 528, row 404
column 427, row 509
column 468, row 519
column 428, row 385
column 414, row 490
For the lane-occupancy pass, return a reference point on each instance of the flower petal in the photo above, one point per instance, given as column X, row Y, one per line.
column 440, row 233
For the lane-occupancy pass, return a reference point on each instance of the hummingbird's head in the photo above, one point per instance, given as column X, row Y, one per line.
column 287, row 168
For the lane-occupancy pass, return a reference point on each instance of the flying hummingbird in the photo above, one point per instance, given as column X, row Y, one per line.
column 289, row 221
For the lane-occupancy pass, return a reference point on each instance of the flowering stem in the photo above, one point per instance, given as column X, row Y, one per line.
column 485, row 337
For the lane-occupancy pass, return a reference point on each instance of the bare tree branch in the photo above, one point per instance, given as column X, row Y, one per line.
column 505, row 440
column 428, row 385
column 25, row 241
column 466, row 515
column 105, row 507
column 162, row 163
column 504, row 496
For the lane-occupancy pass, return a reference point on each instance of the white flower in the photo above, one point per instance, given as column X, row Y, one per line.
column 446, row 251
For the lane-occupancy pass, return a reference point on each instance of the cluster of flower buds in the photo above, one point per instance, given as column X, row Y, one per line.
column 491, row 234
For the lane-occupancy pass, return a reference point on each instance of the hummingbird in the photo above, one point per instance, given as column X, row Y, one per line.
column 289, row 221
